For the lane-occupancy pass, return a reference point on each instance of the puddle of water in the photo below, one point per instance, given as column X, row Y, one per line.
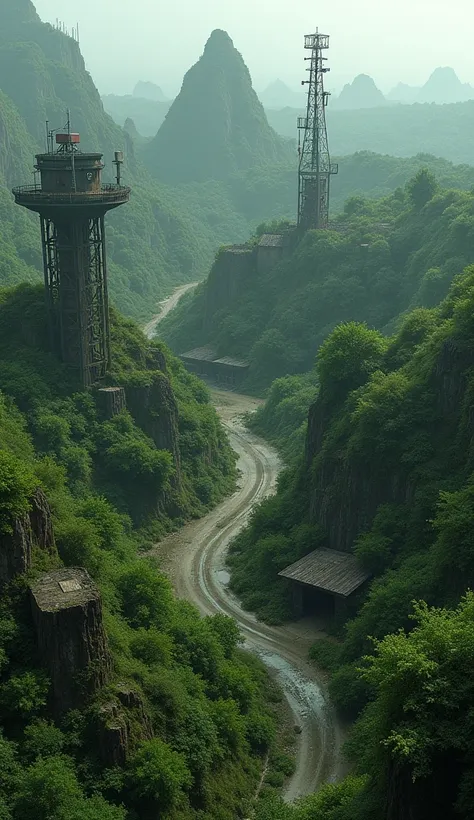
column 223, row 577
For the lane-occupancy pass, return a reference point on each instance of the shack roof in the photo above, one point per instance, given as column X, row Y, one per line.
column 231, row 362
column 201, row 354
column 63, row 589
column 271, row 240
column 238, row 249
column 208, row 354
column 328, row 570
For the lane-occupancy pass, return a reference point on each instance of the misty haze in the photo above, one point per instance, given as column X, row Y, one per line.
column 236, row 427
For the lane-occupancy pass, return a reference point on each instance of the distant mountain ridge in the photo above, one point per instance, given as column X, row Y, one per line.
column 278, row 95
column 149, row 91
column 361, row 93
column 216, row 125
column 444, row 86
column 148, row 115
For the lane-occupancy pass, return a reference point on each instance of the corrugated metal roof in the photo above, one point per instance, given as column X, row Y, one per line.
column 230, row 361
column 208, row 354
column 329, row 570
column 238, row 249
column 202, row 354
column 271, row 240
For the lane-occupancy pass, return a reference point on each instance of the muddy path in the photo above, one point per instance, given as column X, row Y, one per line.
column 194, row 559
column 165, row 307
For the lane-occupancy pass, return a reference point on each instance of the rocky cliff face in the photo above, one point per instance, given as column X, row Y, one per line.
column 346, row 490
column 226, row 281
column 122, row 722
column 153, row 406
column 32, row 530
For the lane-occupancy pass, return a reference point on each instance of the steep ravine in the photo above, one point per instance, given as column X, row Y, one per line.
column 194, row 559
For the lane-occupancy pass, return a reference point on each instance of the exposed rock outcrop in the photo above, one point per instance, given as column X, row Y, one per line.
column 34, row 529
column 346, row 491
column 154, row 408
column 67, row 615
column 123, row 722
column 233, row 267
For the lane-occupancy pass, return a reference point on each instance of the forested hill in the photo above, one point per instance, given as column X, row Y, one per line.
column 385, row 257
column 216, row 125
column 126, row 703
column 387, row 473
column 399, row 130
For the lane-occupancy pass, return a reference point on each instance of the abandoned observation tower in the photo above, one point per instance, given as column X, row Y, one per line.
column 72, row 202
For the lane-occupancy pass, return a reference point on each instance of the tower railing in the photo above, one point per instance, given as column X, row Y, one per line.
column 108, row 192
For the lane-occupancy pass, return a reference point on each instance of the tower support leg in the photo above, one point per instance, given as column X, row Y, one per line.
column 76, row 294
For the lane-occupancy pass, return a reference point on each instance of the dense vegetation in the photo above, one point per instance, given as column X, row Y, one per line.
column 111, row 489
column 387, row 256
column 387, row 473
column 399, row 130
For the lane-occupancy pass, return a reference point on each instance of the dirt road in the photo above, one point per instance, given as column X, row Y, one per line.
column 194, row 558
column 165, row 307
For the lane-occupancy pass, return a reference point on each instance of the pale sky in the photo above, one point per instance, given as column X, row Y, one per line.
column 124, row 41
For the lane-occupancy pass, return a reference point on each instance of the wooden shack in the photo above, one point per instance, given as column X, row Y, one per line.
column 324, row 580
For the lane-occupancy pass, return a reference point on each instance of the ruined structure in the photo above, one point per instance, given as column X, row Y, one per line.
column 270, row 251
column 72, row 202
column 34, row 529
column 111, row 401
column 315, row 166
column 67, row 615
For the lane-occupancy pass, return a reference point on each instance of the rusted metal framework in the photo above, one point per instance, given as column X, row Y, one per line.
column 72, row 203
column 76, row 293
column 315, row 167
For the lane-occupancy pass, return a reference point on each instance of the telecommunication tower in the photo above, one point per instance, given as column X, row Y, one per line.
column 315, row 167
column 72, row 202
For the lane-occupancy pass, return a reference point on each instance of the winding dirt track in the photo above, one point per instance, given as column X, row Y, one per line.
column 166, row 306
column 194, row 559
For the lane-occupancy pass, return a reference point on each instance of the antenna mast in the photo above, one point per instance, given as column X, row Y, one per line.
column 315, row 167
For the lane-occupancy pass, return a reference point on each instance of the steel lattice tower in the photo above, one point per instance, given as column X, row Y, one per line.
column 315, row 167
column 72, row 202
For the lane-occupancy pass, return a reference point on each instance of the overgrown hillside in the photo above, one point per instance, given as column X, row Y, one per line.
column 399, row 130
column 386, row 257
column 388, row 474
column 180, row 724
